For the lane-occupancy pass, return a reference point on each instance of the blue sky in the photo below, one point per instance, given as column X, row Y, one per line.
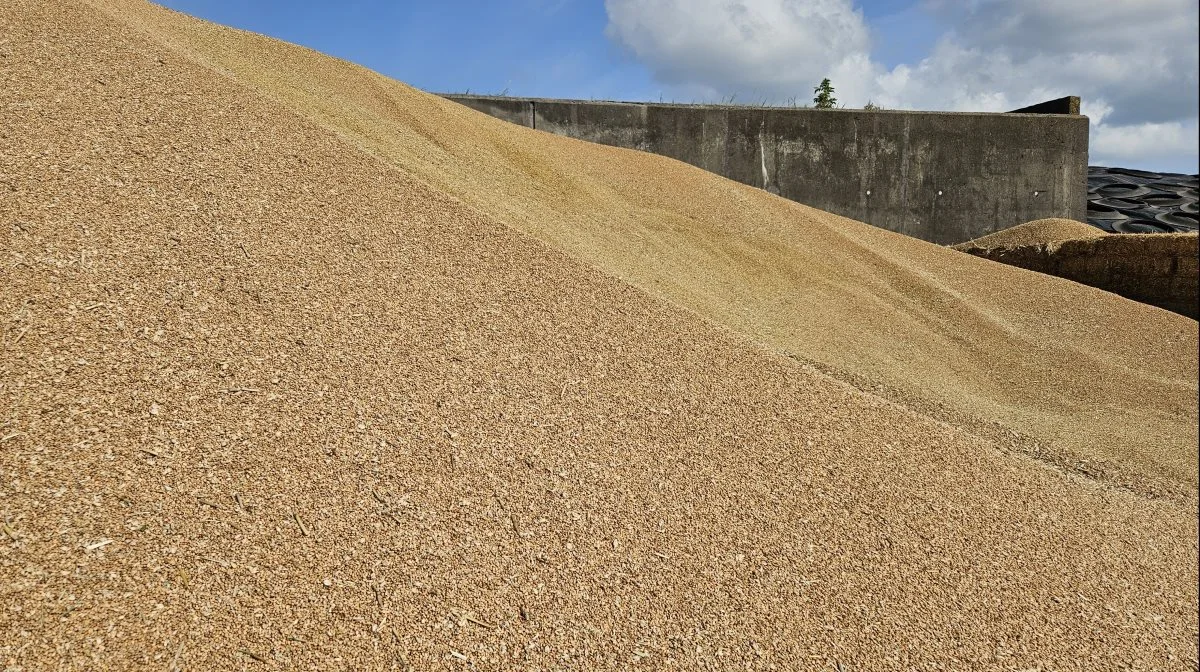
column 977, row 55
column 529, row 47
column 537, row 48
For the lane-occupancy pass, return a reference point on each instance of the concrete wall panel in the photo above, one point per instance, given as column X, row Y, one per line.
column 942, row 177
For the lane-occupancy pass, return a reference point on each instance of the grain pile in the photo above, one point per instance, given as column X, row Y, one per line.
column 269, row 402
column 1038, row 232
column 1159, row 269
column 1013, row 357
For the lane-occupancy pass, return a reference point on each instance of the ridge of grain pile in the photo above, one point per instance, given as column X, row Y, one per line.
column 270, row 401
column 1049, row 368
column 1049, row 231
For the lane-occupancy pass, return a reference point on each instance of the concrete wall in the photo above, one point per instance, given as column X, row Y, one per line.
column 942, row 177
column 1158, row 269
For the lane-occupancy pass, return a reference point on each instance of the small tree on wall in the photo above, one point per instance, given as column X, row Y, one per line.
column 824, row 99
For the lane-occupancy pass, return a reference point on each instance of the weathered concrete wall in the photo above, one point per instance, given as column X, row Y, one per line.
column 942, row 177
column 1158, row 269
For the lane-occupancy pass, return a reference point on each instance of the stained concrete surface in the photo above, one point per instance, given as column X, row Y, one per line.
column 942, row 177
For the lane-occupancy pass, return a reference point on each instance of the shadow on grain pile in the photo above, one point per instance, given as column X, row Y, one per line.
column 272, row 400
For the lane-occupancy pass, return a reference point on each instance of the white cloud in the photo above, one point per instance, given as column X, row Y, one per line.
column 755, row 48
column 1146, row 144
column 1140, row 56
column 1137, row 62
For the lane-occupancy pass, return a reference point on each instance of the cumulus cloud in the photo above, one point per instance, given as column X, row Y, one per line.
column 771, row 48
column 1146, row 143
column 1140, row 57
column 1135, row 64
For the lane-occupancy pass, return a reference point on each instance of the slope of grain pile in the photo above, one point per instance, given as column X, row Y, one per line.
column 269, row 402
column 1012, row 356
column 1038, row 232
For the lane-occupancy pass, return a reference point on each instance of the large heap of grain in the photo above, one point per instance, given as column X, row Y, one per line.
column 275, row 394
column 1052, row 369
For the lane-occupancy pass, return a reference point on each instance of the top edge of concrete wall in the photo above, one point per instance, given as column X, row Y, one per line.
column 769, row 108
